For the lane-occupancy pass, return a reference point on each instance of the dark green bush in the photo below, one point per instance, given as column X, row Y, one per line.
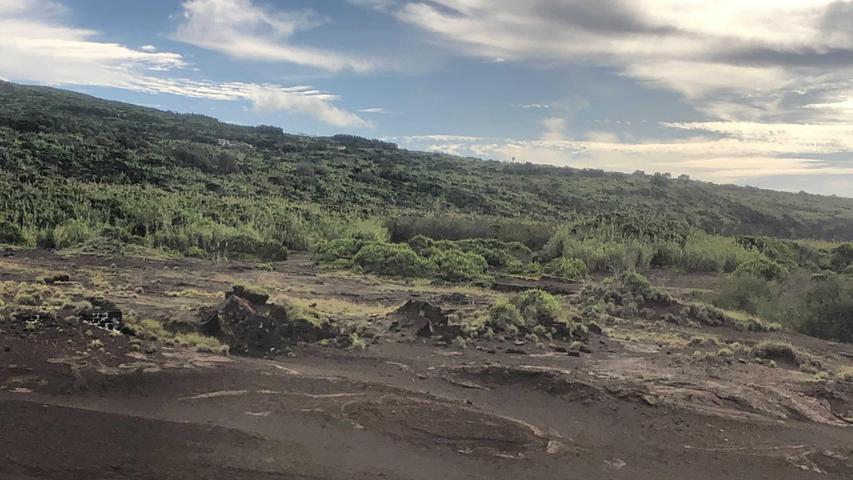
column 568, row 268
column 537, row 306
column 10, row 233
column 340, row 251
column 744, row 292
column 761, row 267
column 842, row 257
column 458, row 266
column 420, row 244
column 504, row 316
column 392, row 260
column 630, row 290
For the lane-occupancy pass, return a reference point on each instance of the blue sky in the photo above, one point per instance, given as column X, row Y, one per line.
column 757, row 93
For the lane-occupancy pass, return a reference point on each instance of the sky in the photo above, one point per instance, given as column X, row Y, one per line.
column 755, row 92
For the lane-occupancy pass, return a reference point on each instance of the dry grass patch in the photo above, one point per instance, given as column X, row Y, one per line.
column 337, row 307
column 192, row 293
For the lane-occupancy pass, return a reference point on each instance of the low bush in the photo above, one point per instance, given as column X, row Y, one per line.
column 744, row 292
column 537, row 306
column 761, row 267
column 604, row 256
column 339, row 252
column 568, row 268
column 819, row 306
column 709, row 253
column 10, row 233
column 505, row 316
column 71, row 233
column 458, row 266
column 391, row 260
column 842, row 257
column 534, row 312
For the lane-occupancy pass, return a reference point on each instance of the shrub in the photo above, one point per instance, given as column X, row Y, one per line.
column 458, row 266
column 743, row 292
column 340, row 251
column 846, row 374
column 568, row 268
column 72, row 233
column 504, row 315
column 761, row 267
column 842, row 257
column 392, row 260
column 827, row 311
column 420, row 244
column 537, row 306
column 614, row 257
column 29, row 298
column 629, row 290
column 709, row 253
column 667, row 254
column 10, row 233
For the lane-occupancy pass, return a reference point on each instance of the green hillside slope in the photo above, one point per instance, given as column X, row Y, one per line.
column 73, row 163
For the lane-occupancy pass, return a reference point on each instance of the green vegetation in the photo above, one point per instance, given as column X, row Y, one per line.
column 453, row 261
column 533, row 312
column 625, row 294
column 390, row 259
column 567, row 268
column 817, row 305
column 75, row 167
column 90, row 176
column 761, row 268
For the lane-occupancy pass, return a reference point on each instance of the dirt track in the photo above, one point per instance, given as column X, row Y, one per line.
column 402, row 409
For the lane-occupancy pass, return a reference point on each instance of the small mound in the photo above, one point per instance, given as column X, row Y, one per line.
column 429, row 318
column 253, row 327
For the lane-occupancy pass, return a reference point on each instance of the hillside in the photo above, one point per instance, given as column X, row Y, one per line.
column 67, row 157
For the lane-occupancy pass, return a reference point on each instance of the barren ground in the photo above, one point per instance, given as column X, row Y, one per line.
column 642, row 405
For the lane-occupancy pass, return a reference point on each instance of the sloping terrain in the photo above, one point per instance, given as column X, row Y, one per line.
column 644, row 399
column 70, row 156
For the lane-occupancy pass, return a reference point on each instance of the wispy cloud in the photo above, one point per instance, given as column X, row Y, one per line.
column 247, row 31
column 376, row 110
column 731, row 59
column 718, row 151
column 37, row 45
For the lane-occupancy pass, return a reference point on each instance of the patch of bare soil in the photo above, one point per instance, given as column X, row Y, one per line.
column 650, row 400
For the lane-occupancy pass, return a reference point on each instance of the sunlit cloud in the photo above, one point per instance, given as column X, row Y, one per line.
column 247, row 31
column 37, row 45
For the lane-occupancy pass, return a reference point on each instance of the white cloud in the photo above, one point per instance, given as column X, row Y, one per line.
column 271, row 98
column 376, row 110
column 729, row 58
column 36, row 45
column 244, row 30
column 719, row 151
